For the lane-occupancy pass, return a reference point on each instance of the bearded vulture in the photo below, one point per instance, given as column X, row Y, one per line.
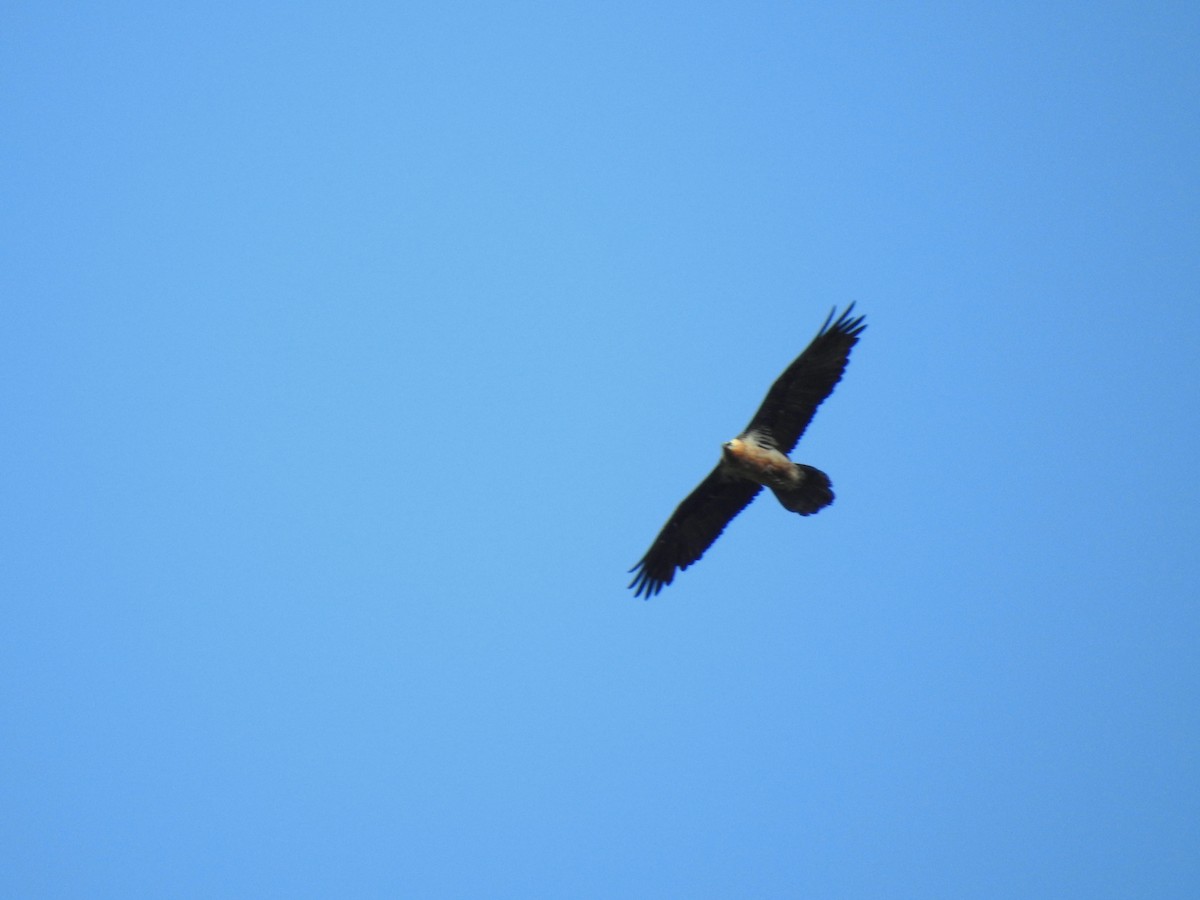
column 757, row 457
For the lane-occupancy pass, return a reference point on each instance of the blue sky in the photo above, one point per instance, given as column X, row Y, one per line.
column 353, row 352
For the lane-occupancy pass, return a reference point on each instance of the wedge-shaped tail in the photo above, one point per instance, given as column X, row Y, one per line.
column 812, row 494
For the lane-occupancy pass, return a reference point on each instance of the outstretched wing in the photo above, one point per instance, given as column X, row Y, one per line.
column 692, row 528
column 796, row 394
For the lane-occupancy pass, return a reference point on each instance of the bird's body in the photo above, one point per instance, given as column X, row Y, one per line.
column 800, row 488
column 757, row 458
column 758, row 461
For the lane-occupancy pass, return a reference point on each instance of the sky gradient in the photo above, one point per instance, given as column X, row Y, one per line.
column 353, row 352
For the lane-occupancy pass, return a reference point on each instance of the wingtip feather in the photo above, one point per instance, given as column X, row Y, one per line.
column 846, row 324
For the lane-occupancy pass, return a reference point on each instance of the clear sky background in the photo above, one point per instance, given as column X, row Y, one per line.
column 350, row 354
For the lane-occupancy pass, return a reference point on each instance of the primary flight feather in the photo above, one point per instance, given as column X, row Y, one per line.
column 756, row 458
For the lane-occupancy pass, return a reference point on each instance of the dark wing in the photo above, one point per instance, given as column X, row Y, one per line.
column 796, row 394
column 692, row 528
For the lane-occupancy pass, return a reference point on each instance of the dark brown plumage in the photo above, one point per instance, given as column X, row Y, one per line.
column 757, row 458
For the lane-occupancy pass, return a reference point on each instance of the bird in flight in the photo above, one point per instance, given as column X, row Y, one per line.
column 757, row 457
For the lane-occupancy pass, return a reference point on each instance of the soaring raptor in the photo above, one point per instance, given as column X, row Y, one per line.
column 757, row 457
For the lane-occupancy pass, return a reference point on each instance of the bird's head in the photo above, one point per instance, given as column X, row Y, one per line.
column 733, row 447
